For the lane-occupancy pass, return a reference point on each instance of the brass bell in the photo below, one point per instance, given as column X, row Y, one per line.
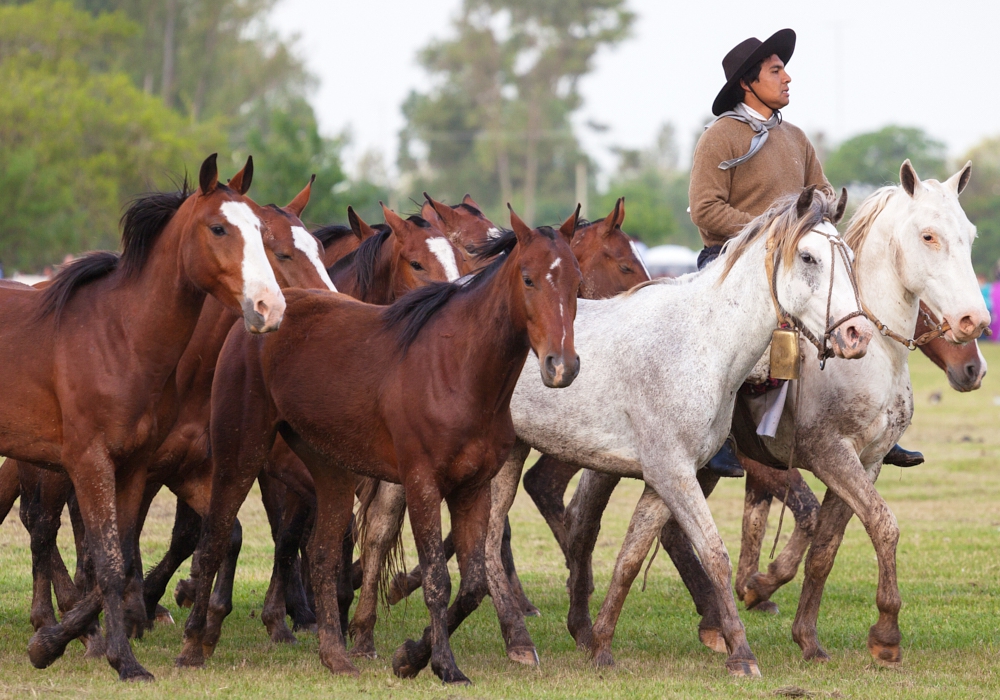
column 784, row 354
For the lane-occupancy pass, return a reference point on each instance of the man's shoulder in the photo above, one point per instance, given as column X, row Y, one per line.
column 792, row 131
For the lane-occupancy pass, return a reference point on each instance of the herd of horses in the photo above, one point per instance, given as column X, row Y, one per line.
column 399, row 379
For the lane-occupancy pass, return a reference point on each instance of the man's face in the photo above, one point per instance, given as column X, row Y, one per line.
column 772, row 85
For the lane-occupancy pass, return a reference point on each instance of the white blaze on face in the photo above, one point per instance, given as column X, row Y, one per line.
column 307, row 243
column 548, row 276
column 635, row 252
column 258, row 276
column 444, row 251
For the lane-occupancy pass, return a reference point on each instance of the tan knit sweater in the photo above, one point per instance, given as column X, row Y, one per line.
column 723, row 201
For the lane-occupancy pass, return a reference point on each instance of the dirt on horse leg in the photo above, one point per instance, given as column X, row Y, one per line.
column 286, row 549
column 381, row 534
column 70, row 591
column 528, row 608
column 546, row 482
column 583, row 521
column 756, row 588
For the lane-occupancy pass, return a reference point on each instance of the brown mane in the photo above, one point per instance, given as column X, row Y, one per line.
column 864, row 218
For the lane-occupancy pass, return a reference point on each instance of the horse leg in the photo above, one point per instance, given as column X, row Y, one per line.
column 381, row 530
column 756, row 507
column 801, row 501
column 286, row 549
column 41, row 515
column 69, row 591
column 683, row 496
column 583, row 521
column 856, row 487
column 470, row 517
column 10, row 487
column 183, row 541
column 546, row 482
column 220, row 604
column 528, row 608
column 692, row 573
column 520, row 647
column 648, row 519
column 299, row 598
column 94, row 482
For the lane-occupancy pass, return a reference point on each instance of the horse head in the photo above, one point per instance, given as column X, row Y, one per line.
column 813, row 279
column 224, row 254
column 464, row 223
column 549, row 283
column 928, row 241
column 609, row 260
column 963, row 364
column 421, row 253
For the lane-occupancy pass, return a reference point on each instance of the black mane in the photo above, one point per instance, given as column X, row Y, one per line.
column 142, row 223
column 411, row 313
column 329, row 235
column 365, row 262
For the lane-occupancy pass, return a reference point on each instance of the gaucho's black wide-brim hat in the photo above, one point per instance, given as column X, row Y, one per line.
column 743, row 57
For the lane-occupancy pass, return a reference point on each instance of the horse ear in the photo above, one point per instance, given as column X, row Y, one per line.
column 805, row 201
column 908, row 177
column 442, row 211
column 521, row 229
column 467, row 199
column 393, row 220
column 841, row 206
column 621, row 213
column 208, row 178
column 428, row 212
column 241, row 180
column 568, row 228
column 959, row 180
column 362, row 230
column 297, row 205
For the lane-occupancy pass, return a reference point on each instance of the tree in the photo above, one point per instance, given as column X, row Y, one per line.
column 981, row 201
column 77, row 138
column 498, row 119
column 874, row 158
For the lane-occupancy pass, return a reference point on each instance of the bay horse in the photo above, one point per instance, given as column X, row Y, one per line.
column 609, row 264
column 84, row 391
column 416, row 393
column 690, row 344
column 912, row 242
column 464, row 223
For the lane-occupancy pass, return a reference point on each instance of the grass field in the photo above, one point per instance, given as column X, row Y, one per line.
column 949, row 565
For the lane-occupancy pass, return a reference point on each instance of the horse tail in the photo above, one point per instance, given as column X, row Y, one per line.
column 395, row 562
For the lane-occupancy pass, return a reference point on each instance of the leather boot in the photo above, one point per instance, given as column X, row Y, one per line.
column 725, row 462
column 899, row 457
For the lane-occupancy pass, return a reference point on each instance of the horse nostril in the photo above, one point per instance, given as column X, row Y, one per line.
column 972, row 370
column 852, row 334
column 261, row 308
column 550, row 365
column 967, row 325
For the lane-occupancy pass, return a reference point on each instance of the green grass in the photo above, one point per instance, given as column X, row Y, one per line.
column 949, row 562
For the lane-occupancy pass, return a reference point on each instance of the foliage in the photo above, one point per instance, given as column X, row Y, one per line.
column 981, row 201
column 497, row 119
column 77, row 138
column 874, row 158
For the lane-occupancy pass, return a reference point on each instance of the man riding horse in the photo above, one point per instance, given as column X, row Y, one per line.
column 747, row 159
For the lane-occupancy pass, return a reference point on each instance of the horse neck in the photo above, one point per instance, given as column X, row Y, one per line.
column 497, row 342
column 741, row 309
column 160, row 302
column 881, row 288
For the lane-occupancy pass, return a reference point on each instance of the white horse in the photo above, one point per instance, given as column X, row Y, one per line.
column 913, row 242
column 661, row 366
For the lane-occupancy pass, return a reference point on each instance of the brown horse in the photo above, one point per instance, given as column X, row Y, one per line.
column 464, row 223
column 84, row 391
column 609, row 264
column 416, row 394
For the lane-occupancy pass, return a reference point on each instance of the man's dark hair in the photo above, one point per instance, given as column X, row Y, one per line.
column 752, row 75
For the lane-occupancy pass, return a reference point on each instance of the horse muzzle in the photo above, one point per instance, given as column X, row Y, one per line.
column 557, row 373
column 850, row 339
column 969, row 327
column 263, row 312
column 968, row 376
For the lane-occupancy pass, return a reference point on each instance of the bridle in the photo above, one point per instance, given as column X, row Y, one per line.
column 938, row 329
column 787, row 320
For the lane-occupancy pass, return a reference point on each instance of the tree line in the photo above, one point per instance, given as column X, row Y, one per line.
column 103, row 99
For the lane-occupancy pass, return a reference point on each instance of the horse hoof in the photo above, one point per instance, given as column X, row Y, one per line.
column 163, row 616
column 43, row 649
column 604, row 659
column 307, row 627
column 743, row 669
column 765, row 606
column 714, row 640
column 397, row 589
column 340, row 665
column 96, row 648
column 282, row 635
column 188, row 660
column 136, row 674
column 530, row 610
column 888, row 655
column 819, row 656
column 527, row 656
column 402, row 664
column 184, row 593
column 363, row 649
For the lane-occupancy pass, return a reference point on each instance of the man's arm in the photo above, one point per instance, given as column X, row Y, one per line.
column 710, row 187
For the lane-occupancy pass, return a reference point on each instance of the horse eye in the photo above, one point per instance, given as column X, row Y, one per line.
column 626, row 269
column 218, row 230
column 928, row 237
column 528, row 282
column 283, row 256
column 415, row 265
column 808, row 259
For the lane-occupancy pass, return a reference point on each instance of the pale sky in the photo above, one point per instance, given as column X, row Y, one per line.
column 857, row 67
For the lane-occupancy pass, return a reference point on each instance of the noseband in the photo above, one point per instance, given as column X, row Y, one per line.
column 787, row 320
